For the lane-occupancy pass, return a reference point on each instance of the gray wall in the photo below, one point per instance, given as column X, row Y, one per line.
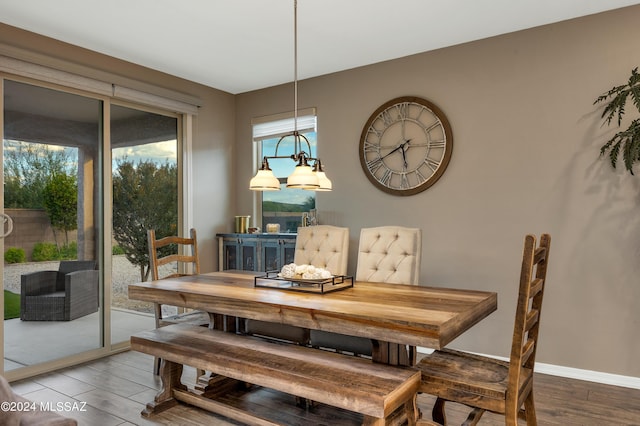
column 525, row 160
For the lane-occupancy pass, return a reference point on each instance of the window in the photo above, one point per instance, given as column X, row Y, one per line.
column 284, row 207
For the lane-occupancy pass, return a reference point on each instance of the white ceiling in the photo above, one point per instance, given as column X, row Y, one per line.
column 243, row 45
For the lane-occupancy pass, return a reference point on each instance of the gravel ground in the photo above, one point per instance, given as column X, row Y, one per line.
column 123, row 274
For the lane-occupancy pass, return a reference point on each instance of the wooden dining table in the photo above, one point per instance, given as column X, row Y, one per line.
column 392, row 315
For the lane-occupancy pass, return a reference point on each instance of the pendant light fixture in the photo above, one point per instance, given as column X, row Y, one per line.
column 303, row 176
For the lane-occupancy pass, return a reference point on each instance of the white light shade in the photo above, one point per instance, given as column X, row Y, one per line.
column 303, row 178
column 264, row 180
column 325, row 183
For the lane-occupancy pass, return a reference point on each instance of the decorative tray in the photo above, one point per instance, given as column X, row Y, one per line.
column 325, row 285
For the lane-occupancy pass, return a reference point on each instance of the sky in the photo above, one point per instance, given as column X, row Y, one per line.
column 158, row 152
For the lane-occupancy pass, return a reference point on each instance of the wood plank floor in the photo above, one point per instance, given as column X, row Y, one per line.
column 116, row 389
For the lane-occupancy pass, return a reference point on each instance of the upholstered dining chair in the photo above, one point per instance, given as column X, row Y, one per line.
column 172, row 257
column 487, row 384
column 388, row 254
column 323, row 246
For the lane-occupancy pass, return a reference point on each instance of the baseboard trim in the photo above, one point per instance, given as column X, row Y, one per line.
column 575, row 373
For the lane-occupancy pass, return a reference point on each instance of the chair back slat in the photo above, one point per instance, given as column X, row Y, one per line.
column 187, row 254
column 527, row 350
column 541, row 254
column 536, row 287
column 175, row 258
column 527, row 323
column 162, row 242
column 532, row 319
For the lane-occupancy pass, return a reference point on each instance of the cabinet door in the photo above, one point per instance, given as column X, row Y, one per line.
column 248, row 251
column 271, row 259
column 230, row 257
column 288, row 250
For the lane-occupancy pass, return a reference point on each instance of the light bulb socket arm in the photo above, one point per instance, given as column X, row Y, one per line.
column 265, row 164
column 302, row 158
column 317, row 166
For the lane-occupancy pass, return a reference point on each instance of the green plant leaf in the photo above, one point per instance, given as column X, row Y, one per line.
column 627, row 142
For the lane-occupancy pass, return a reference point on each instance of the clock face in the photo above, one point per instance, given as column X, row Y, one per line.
column 405, row 146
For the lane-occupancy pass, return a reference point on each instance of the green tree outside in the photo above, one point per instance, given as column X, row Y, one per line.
column 145, row 196
column 28, row 167
column 60, row 199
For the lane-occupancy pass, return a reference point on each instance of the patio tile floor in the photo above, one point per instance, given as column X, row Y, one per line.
column 34, row 342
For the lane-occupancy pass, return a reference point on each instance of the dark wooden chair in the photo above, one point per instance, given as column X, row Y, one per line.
column 487, row 384
column 180, row 256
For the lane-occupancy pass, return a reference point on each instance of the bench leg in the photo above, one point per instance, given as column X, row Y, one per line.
column 170, row 374
column 411, row 410
column 438, row 414
column 407, row 414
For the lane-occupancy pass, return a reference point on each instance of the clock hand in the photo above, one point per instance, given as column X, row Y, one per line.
column 401, row 146
column 404, row 157
column 390, row 152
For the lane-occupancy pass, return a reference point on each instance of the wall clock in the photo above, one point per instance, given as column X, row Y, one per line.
column 405, row 145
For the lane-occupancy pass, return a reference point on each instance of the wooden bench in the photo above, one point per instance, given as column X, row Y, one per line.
column 355, row 384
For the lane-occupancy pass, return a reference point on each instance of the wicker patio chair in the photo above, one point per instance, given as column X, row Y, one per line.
column 66, row 294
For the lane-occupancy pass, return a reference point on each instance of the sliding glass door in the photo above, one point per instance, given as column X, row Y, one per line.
column 52, row 271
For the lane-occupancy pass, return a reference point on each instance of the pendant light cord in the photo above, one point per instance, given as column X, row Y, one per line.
column 297, row 143
column 295, row 65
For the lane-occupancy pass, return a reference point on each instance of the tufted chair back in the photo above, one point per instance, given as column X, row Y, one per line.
column 389, row 254
column 323, row 246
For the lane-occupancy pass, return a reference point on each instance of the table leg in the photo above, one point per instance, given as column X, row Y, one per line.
column 223, row 322
column 393, row 353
